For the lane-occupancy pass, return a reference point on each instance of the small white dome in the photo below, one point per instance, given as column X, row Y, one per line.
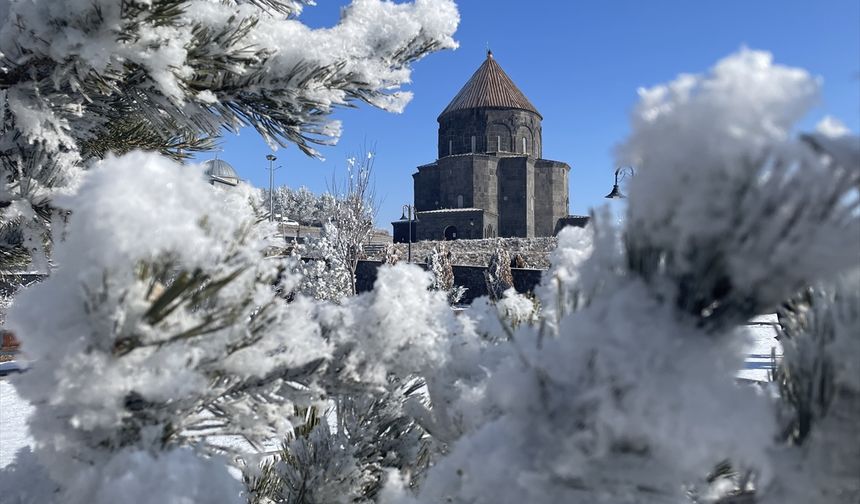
column 218, row 170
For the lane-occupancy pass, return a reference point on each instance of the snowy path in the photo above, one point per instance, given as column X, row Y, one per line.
column 759, row 362
column 13, row 421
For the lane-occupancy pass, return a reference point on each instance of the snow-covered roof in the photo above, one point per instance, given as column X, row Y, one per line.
column 219, row 170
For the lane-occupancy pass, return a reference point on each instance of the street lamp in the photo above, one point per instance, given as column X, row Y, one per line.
column 271, row 158
column 410, row 215
column 620, row 173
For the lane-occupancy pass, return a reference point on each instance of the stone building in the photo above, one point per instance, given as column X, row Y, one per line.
column 489, row 179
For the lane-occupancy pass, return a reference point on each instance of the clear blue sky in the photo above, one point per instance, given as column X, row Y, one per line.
column 580, row 63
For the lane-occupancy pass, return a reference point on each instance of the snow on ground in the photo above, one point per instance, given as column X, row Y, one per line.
column 763, row 348
column 14, row 411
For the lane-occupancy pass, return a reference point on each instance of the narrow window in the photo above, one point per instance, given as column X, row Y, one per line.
column 450, row 147
column 499, row 143
column 460, row 200
column 524, row 146
column 474, row 141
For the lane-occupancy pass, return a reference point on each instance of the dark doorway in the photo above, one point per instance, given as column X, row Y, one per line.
column 450, row 233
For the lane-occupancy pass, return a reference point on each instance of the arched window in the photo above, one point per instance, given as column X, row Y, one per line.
column 474, row 143
column 459, row 201
column 525, row 146
column 450, row 233
column 499, row 138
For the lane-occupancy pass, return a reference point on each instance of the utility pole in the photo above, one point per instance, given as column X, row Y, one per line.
column 272, row 169
column 409, row 215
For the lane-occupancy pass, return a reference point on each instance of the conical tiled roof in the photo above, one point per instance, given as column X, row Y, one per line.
column 490, row 86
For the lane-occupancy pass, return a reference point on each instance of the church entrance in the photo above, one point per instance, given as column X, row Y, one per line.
column 450, row 233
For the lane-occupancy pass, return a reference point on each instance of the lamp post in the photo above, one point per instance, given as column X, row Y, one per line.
column 408, row 214
column 620, row 173
column 271, row 158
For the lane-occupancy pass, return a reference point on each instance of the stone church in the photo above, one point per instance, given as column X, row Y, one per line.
column 490, row 179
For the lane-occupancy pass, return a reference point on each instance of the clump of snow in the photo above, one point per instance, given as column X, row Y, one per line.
column 557, row 289
column 386, row 339
column 717, row 178
column 586, row 409
column 692, row 132
column 516, row 308
column 138, row 225
column 831, row 127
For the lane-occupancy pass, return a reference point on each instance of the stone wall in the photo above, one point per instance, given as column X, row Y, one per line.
column 492, row 129
column 551, row 195
column 516, row 191
column 402, row 233
column 520, row 195
column 455, row 182
column 470, row 277
column 534, row 251
column 464, row 223
column 426, row 187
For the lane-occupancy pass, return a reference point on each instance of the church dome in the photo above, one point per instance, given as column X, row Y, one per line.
column 490, row 115
column 218, row 170
column 490, row 87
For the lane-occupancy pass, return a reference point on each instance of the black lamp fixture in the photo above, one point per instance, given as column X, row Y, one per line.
column 620, row 173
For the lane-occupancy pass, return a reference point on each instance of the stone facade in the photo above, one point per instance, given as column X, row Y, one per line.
column 509, row 131
column 489, row 179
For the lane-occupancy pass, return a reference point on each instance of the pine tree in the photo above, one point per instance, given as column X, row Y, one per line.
column 498, row 275
column 439, row 264
column 163, row 339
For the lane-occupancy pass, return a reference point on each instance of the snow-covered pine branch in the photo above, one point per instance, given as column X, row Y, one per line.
column 81, row 78
column 498, row 275
column 624, row 389
column 163, row 339
column 162, row 329
column 819, row 385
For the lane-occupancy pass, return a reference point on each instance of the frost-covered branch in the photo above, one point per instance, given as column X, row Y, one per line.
column 82, row 78
column 623, row 390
